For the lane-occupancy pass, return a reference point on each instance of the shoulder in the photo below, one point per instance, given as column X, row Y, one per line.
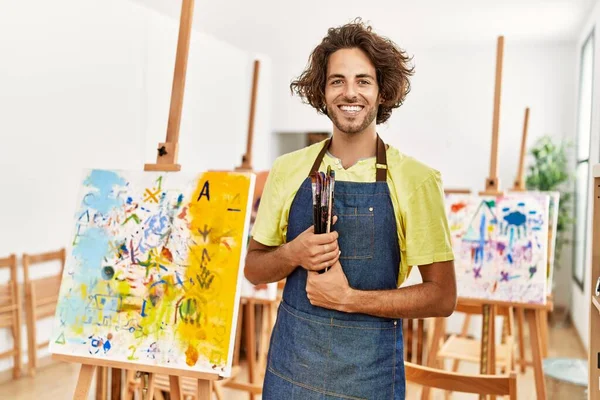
column 410, row 174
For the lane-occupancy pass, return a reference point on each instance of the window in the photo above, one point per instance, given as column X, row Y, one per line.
column 582, row 158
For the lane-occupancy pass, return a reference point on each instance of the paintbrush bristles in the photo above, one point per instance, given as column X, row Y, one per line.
column 322, row 195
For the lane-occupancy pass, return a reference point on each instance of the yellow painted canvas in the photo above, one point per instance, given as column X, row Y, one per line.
column 154, row 269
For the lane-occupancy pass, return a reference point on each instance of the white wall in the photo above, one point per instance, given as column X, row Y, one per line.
column 581, row 299
column 86, row 83
column 446, row 120
column 449, row 110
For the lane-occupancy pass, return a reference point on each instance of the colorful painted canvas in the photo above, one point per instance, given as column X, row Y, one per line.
column 267, row 291
column 552, row 234
column 154, row 271
column 500, row 246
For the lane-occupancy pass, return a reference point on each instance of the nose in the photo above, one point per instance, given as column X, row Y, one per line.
column 350, row 92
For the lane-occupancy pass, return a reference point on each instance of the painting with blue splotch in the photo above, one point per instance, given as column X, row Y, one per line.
column 154, row 268
column 500, row 246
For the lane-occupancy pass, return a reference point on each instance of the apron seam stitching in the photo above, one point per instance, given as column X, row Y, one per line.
column 335, row 325
column 314, row 389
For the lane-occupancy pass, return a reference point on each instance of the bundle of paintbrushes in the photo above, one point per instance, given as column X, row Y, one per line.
column 322, row 194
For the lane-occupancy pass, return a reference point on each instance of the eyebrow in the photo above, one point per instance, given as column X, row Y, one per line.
column 342, row 76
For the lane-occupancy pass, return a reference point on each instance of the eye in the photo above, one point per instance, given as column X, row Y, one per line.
column 364, row 82
column 336, row 82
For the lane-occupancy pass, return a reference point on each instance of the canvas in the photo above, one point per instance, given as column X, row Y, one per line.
column 500, row 246
column 154, row 269
column 552, row 235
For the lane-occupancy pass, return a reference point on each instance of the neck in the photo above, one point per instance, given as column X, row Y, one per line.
column 350, row 148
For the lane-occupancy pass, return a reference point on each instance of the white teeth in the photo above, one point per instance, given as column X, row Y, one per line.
column 351, row 108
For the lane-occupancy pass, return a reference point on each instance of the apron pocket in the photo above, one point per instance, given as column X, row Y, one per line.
column 356, row 228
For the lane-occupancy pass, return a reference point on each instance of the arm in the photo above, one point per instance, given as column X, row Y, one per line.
column 266, row 264
column 435, row 297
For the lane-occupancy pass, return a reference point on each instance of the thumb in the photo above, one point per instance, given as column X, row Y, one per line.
column 334, row 220
column 311, row 229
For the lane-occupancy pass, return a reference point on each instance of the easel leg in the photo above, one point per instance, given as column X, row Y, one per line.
column 251, row 342
column 86, row 374
column 175, row 387
column 101, row 383
column 204, row 389
column 266, row 323
column 420, row 334
column 238, row 334
column 536, row 351
column 409, row 340
column 543, row 318
column 218, row 391
column 484, row 361
column 115, row 384
column 520, row 324
column 492, row 344
column 148, row 386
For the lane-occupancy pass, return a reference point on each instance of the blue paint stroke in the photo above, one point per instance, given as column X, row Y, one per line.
column 481, row 245
column 104, row 199
column 515, row 218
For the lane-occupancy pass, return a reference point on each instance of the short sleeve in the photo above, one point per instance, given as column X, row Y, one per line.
column 266, row 226
column 428, row 237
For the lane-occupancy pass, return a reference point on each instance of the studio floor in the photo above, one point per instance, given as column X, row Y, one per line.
column 57, row 381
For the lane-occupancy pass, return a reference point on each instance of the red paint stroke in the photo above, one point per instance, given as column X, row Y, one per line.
column 183, row 213
column 166, row 253
column 457, row 207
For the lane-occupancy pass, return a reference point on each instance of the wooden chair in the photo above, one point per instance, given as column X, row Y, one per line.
column 41, row 297
column 414, row 340
column 462, row 348
column 10, row 312
column 495, row 385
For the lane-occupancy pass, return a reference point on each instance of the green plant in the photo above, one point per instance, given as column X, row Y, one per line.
column 549, row 171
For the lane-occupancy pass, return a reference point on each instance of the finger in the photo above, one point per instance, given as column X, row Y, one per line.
column 334, row 220
column 328, row 263
column 326, row 237
column 330, row 256
column 310, row 229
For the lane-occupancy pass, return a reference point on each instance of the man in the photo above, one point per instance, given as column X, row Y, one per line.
column 338, row 334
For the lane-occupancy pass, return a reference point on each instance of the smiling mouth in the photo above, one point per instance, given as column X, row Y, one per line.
column 351, row 110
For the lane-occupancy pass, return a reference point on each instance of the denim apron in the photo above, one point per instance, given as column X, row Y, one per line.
column 317, row 353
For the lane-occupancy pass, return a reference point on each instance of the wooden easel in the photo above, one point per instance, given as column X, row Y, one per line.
column 594, row 349
column 487, row 350
column 519, row 186
column 166, row 161
column 520, row 180
column 249, row 319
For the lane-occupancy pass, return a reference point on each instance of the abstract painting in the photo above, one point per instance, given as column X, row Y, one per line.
column 500, row 246
column 154, row 269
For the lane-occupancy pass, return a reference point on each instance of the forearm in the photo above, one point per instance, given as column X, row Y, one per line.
column 424, row 300
column 266, row 266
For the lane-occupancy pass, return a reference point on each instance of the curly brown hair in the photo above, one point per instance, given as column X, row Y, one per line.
column 391, row 64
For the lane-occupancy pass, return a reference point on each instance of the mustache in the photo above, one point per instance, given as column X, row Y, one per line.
column 347, row 100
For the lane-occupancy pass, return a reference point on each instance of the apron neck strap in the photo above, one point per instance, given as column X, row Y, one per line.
column 380, row 163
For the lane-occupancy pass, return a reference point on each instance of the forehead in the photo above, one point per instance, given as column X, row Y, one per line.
column 350, row 62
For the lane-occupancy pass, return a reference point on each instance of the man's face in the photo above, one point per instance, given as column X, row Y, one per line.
column 351, row 91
